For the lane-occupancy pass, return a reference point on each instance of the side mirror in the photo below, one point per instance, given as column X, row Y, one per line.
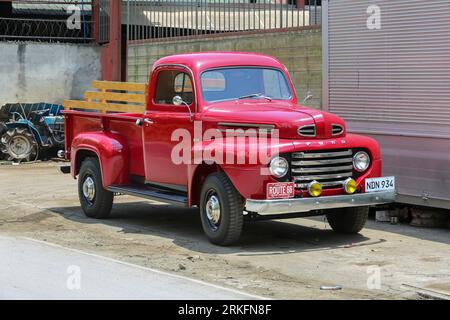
column 178, row 101
column 308, row 97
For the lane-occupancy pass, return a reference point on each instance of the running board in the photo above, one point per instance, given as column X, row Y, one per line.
column 152, row 194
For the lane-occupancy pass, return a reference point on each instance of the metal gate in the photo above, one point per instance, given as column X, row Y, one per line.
column 387, row 73
column 156, row 19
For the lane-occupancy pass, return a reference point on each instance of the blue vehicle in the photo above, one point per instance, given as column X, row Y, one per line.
column 30, row 128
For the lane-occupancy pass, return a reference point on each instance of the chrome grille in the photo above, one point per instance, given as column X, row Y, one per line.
column 330, row 168
column 307, row 131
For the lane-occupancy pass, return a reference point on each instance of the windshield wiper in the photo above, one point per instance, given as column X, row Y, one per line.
column 255, row 95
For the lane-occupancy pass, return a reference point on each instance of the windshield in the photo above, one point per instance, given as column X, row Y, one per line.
column 244, row 83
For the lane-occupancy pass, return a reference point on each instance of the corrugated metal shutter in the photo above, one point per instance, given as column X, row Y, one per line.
column 393, row 80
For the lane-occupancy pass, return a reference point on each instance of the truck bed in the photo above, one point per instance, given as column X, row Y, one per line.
column 113, row 107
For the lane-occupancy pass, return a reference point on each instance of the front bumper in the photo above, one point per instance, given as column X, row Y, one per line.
column 297, row 205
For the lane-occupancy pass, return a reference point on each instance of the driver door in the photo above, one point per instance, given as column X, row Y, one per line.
column 161, row 119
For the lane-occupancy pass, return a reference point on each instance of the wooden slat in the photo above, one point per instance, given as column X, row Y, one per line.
column 121, row 86
column 102, row 101
column 138, row 96
column 103, row 107
column 111, row 96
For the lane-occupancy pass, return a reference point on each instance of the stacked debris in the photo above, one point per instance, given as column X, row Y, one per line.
column 28, row 129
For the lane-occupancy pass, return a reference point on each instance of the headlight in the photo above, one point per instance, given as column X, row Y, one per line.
column 361, row 161
column 279, row 167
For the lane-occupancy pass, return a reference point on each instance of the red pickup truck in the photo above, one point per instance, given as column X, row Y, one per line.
column 224, row 132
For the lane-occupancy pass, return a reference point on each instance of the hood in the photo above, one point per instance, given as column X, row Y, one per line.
column 287, row 117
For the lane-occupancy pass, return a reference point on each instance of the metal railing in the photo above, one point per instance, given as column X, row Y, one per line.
column 103, row 20
column 41, row 20
column 150, row 19
column 42, row 30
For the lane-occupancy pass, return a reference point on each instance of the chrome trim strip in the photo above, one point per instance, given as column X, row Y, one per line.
column 312, row 155
column 247, row 125
column 322, row 169
column 273, row 207
column 321, row 162
column 325, row 176
column 324, row 184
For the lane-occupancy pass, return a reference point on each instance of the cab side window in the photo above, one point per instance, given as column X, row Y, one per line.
column 173, row 83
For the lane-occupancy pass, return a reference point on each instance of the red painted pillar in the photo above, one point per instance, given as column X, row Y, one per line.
column 111, row 52
column 95, row 22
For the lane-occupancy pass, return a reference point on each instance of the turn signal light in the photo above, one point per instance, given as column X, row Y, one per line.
column 315, row 189
column 350, row 186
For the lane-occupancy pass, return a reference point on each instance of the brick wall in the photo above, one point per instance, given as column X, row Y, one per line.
column 299, row 50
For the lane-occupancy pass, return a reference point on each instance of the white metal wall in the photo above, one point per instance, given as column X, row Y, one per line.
column 394, row 84
column 399, row 74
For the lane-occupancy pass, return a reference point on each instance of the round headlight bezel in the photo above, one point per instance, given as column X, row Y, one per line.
column 275, row 164
column 356, row 158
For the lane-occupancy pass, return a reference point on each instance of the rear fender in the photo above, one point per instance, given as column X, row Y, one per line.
column 112, row 151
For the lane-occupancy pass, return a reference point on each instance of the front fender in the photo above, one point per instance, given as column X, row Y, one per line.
column 251, row 179
column 244, row 162
column 112, row 152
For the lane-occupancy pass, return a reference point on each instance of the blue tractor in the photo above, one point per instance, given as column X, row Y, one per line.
column 29, row 129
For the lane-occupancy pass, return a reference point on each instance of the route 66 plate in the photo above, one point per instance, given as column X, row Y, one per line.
column 380, row 184
column 282, row 190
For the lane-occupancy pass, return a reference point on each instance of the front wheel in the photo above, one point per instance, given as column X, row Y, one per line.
column 221, row 210
column 348, row 220
column 95, row 201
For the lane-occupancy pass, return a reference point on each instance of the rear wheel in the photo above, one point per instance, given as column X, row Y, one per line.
column 3, row 130
column 221, row 210
column 348, row 220
column 19, row 144
column 95, row 201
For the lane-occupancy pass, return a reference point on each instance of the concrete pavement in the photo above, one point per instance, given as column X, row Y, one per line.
column 36, row 270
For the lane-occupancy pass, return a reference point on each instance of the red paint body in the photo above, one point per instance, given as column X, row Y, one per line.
column 126, row 150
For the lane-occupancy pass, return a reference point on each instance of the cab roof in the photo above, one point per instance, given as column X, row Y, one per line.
column 199, row 62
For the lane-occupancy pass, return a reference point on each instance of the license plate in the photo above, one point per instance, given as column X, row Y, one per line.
column 281, row 190
column 380, row 184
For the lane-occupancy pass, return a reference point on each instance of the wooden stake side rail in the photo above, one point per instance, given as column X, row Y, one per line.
column 128, row 97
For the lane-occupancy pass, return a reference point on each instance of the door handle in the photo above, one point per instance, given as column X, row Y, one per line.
column 140, row 122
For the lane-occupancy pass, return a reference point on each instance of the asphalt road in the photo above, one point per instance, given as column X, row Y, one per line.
column 35, row 270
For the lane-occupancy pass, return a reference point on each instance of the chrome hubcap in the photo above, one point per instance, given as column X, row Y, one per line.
column 213, row 210
column 89, row 189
